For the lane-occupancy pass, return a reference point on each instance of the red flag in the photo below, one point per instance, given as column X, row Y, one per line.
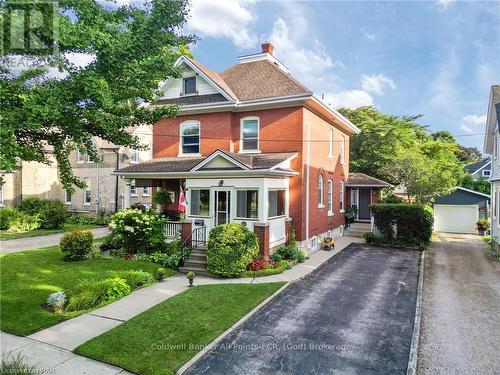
column 182, row 201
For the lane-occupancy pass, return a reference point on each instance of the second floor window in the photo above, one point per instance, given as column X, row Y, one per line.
column 329, row 200
column 250, row 134
column 134, row 156
column 190, row 137
column 81, row 156
column 189, row 85
column 341, row 196
column 342, row 150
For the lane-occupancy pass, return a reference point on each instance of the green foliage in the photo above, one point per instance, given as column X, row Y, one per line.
column 32, row 205
column 483, row 224
column 464, row 154
column 167, row 260
column 24, row 222
column 76, row 245
column 288, row 252
column 162, row 197
column 53, row 215
column 482, row 185
column 160, row 273
column 301, row 256
column 284, row 265
column 7, row 216
column 138, row 232
column 56, row 301
column 135, row 279
column 277, row 257
column 413, row 223
column 133, row 49
column 88, row 220
column 90, row 294
column 400, row 151
column 190, row 275
column 17, row 364
column 231, row 247
column 391, row 199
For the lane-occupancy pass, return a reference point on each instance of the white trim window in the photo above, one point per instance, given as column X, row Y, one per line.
column 67, row 197
column 330, row 143
column 247, row 204
column 321, row 202
column 190, row 138
column 189, row 85
column 87, row 196
column 342, row 150
column 133, row 190
column 146, row 191
column 249, row 134
column 329, row 198
column 341, row 196
column 276, row 203
column 486, row 172
column 81, row 156
column 200, row 202
column 134, row 156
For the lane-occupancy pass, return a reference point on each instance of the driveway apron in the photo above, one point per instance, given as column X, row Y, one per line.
column 352, row 315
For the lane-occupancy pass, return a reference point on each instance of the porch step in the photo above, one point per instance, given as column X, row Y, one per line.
column 198, row 257
column 357, row 230
column 197, row 270
column 195, row 263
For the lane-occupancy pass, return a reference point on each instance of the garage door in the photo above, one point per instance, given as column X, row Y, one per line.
column 455, row 219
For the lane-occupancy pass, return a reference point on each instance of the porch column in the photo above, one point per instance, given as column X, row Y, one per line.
column 262, row 232
column 128, row 193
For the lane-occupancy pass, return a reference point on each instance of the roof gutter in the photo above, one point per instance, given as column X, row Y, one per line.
column 206, row 174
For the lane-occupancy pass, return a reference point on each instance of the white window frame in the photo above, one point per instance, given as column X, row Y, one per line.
column 341, row 197
column 258, row 203
column 321, row 191
column 488, row 172
column 184, row 86
column 85, row 203
column 181, row 126
column 146, row 193
column 342, row 150
column 285, row 202
column 242, row 122
column 329, row 198
column 66, row 201
column 81, row 157
column 134, row 156
column 133, row 190
column 330, row 143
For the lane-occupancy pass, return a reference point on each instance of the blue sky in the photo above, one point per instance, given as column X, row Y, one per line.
column 435, row 58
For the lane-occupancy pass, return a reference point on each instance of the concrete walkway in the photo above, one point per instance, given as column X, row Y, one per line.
column 69, row 334
column 460, row 330
column 28, row 243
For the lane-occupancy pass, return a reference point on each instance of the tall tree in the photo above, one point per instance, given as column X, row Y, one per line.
column 464, row 154
column 132, row 49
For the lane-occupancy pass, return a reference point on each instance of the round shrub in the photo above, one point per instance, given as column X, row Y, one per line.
column 76, row 245
column 7, row 216
column 31, row 206
column 137, row 231
column 231, row 247
column 53, row 215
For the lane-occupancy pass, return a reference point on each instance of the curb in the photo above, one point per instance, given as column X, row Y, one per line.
column 223, row 335
column 412, row 360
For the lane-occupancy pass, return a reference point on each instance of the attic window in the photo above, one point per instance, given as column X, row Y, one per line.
column 189, row 85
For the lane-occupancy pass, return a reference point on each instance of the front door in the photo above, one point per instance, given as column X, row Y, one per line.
column 364, row 204
column 222, row 207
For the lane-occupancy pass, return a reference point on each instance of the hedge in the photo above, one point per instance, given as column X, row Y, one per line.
column 284, row 265
column 404, row 224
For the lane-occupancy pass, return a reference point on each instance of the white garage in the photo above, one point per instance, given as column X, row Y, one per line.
column 459, row 211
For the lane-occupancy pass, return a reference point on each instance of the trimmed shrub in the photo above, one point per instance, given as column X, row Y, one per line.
column 282, row 267
column 231, row 247
column 137, row 231
column 288, row 252
column 76, row 245
column 88, row 220
column 405, row 224
column 90, row 294
column 32, row 205
column 135, row 279
column 7, row 216
column 277, row 257
column 53, row 215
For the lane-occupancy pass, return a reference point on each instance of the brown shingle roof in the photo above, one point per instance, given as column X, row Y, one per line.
column 215, row 77
column 361, row 179
column 261, row 79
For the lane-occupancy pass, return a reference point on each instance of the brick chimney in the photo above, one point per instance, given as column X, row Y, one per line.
column 267, row 47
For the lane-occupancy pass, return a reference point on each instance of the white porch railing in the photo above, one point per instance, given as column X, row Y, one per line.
column 173, row 229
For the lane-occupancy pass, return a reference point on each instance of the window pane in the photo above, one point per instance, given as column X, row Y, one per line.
column 190, row 129
column 250, row 135
column 250, row 144
column 190, row 139
column 190, row 85
column 276, row 203
column 247, row 204
column 200, row 202
column 190, row 149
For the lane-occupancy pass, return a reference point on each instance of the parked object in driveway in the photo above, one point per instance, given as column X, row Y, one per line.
column 482, row 226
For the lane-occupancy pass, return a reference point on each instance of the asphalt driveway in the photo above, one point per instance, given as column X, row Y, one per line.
column 352, row 315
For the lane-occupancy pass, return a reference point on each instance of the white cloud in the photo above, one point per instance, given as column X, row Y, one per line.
column 473, row 123
column 467, row 129
column 229, row 19
column 368, row 35
column 444, row 4
column 376, row 83
column 349, row 98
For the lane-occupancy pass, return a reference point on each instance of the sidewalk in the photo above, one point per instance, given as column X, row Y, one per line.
column 28, row 243
column 69, row 334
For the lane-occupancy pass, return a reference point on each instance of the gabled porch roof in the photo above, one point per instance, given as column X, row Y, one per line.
column 363, row 180
column 219, row 163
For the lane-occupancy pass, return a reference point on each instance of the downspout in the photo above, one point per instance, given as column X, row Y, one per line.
column 307, row 182
column 117, row 179
column 97, row 198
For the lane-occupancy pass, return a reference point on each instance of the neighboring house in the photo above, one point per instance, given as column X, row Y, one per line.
column 480, row 169
column 105, row 191
column 32, row 179
column 251, row 145
column 459, row 211
column 492, row 147
column 362, row 192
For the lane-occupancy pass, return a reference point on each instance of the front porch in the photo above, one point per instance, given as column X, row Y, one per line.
column 362, row 192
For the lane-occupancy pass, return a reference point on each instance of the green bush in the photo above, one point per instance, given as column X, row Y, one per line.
column 137, row 231
column 53, row 215
column 17, row 364
column 277, row 257
column 31, row 206
column 391, row 199
column 284, row 265
column 88, row 220
column 135, row 279
column 413, row 222
column 7, row 216
column 76, row 245
column 24, row 222
column 231, row 247
column 288, row 252
column 90, row 294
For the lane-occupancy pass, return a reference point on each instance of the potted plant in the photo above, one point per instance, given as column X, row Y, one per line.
column 190, row 276
column 162, row 198
column 351, row 214
column 160, row 274
column 482, row 226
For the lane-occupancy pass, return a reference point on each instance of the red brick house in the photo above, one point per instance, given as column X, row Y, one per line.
column 252, row 145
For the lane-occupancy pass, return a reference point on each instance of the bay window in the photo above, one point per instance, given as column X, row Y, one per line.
column 276, row 203
column 247, row 204
column 200, row 202
column 190, row 137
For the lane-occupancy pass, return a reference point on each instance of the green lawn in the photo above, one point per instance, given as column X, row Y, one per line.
column 6, row 235
column 194, row 317
column 28, row 277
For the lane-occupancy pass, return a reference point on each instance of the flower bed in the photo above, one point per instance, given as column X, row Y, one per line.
column 275, row 269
